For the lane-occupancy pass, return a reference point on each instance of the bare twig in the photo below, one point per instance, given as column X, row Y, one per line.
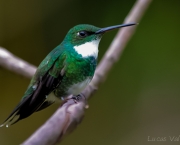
column 15, row 64
column 117, row 46
column 68, row 116
column 63, row 121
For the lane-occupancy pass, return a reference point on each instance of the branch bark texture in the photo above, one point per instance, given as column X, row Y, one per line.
column 71, row 112
column 15, row 64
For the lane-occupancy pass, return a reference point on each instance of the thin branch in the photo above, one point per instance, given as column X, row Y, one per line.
column 15, row 64
column 117, row 46
column 69, row 115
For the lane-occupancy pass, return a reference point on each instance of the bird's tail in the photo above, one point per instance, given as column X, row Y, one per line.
column 25, row 108
column 33, row 100
column 17, row 114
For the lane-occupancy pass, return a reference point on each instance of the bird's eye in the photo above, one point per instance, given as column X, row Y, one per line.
column 82, row 34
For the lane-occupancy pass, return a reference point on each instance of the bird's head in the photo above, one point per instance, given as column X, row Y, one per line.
column 85, row 38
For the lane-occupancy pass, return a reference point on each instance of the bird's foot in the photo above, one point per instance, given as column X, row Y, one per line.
column 78, row 97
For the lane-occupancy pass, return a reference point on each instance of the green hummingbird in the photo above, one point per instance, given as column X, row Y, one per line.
column 66, row 70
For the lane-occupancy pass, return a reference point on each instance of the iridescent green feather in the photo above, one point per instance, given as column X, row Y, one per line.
column 77, row 69
column 50, row 65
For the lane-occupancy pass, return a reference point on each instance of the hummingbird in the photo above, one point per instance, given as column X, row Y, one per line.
column 66, row 70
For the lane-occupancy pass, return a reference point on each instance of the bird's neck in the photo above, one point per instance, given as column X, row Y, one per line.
column 88, row 49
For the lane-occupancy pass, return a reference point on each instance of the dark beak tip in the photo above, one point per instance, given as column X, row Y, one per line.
column 103, row 30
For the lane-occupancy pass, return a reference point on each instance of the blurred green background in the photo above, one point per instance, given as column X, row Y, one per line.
column 141, row 97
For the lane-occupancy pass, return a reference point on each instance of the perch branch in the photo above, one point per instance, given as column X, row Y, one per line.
column 71, row 112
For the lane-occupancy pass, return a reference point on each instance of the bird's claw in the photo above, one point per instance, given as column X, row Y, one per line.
column 77, row 98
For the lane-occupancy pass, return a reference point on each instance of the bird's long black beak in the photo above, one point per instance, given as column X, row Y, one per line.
column 102, row 30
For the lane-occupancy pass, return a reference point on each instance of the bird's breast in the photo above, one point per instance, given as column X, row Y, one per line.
column 77, row 88
column 77, row 75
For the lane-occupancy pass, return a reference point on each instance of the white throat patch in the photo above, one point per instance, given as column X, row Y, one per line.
column 88, row 48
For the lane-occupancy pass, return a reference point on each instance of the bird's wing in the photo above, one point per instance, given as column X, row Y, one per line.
column 48, row 75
